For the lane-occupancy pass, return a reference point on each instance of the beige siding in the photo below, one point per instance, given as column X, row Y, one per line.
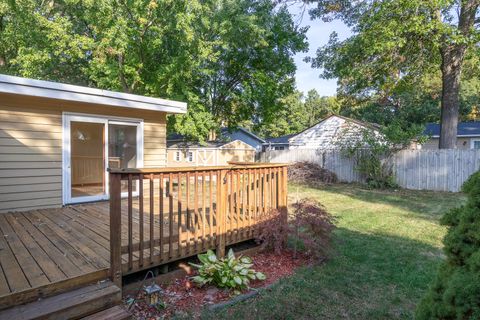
column 31, row 147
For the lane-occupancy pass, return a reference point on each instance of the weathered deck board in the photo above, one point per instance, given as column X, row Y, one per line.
column 44, row 247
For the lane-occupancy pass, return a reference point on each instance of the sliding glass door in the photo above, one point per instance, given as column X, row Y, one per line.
column 91, row 145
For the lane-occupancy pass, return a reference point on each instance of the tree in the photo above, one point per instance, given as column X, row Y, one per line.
column 455, row 292
column 295, row 113
column 291, row 118
column 229, row 60
column 396, row 43
column 317, row 107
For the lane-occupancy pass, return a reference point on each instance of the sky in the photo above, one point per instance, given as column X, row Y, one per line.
column 318, row 35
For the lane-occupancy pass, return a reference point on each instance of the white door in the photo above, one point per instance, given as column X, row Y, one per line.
column 91, row 144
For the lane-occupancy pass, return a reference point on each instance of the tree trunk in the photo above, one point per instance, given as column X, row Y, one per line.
column 453, row 55
column 452, row 59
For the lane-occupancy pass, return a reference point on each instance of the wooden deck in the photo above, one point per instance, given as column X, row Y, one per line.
column 177, row 214
column 48, row 250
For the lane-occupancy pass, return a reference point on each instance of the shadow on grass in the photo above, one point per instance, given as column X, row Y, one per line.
column 370, row 277
column 429, row 205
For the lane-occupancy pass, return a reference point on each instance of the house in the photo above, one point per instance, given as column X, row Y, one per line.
column 278, row 143
column 213, row 153
column 468, row 135
column 244, row 135
column 322, row 135
column 57, row 140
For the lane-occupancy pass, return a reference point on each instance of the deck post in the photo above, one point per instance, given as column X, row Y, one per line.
column 115, row 229
column 222, row 213
column 283, row 198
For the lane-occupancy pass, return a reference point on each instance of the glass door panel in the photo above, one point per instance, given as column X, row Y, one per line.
column 123, row 148
column 87, row 159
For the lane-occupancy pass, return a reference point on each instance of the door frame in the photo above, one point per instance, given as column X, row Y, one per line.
column 67, row 118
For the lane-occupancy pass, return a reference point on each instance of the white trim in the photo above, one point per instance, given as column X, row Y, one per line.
column 61, row 91
column 66, row 165
column 472, row 143
column 66, row 148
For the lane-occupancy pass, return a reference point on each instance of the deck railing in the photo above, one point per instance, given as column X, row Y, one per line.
column 161, row 215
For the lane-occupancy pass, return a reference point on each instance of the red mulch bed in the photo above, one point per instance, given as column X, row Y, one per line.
column 184, row 296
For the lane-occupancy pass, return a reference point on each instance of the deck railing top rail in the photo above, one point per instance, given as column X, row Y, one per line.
column 197, row 169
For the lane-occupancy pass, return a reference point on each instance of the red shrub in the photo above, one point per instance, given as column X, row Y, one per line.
column 311, row 226
column 274, row 230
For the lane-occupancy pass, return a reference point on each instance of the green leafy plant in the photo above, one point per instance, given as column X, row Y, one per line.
column 229, row 272
column 372, row 149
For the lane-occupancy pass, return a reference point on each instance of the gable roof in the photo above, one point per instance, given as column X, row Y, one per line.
column 62, row 91
column 464, row 129
column 251, row 134
column 369, row 125
column 280, row 140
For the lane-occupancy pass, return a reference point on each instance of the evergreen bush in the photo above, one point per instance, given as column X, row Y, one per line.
column 455, row 292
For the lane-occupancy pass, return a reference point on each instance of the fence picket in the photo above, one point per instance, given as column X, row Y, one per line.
column 437, row 170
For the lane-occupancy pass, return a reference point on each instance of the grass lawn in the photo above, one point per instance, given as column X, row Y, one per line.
column 388, row 247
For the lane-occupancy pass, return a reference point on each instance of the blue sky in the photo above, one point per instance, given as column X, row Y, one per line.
column 318, row 35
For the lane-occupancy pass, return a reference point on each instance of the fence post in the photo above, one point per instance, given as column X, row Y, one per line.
column 115, row 229
column 222, row 213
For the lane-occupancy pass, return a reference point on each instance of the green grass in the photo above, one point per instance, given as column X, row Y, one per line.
column 388, row 247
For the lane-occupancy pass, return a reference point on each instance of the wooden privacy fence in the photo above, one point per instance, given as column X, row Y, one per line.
column 437, row 170
column 173, row 213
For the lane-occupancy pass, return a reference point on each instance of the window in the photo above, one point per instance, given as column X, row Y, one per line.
column 178, row 156
column 475, row 144
column 190, row 156
column 279, row 148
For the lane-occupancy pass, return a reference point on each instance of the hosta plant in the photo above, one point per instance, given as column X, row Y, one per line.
column 229, row 272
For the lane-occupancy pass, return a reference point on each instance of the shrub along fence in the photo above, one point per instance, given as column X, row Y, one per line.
column 438, row 170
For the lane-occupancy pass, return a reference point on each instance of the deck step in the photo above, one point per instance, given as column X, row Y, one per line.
column 114, row 313
column 73, row 304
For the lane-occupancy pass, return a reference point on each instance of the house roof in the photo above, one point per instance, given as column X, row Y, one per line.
column 464, row 129
column 61, row 91
column 281, row 140
column 372, row 126
column 226, row 130
column 286, row 139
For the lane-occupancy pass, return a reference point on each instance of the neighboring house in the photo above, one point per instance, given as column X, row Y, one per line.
column 468, row 135
column 57, row 140
column 245, row 136
column 278, row 143
column 213, row 153
column 322, row 135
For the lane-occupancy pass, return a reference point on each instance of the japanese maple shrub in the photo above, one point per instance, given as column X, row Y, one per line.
column 310, row 227
column 455, row 292
column 229, row 272
column 274, row 231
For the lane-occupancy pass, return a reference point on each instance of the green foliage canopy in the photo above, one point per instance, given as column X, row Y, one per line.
column 391, row 67
column 230, row 60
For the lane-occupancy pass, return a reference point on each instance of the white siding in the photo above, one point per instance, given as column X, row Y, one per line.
column 324, row 134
